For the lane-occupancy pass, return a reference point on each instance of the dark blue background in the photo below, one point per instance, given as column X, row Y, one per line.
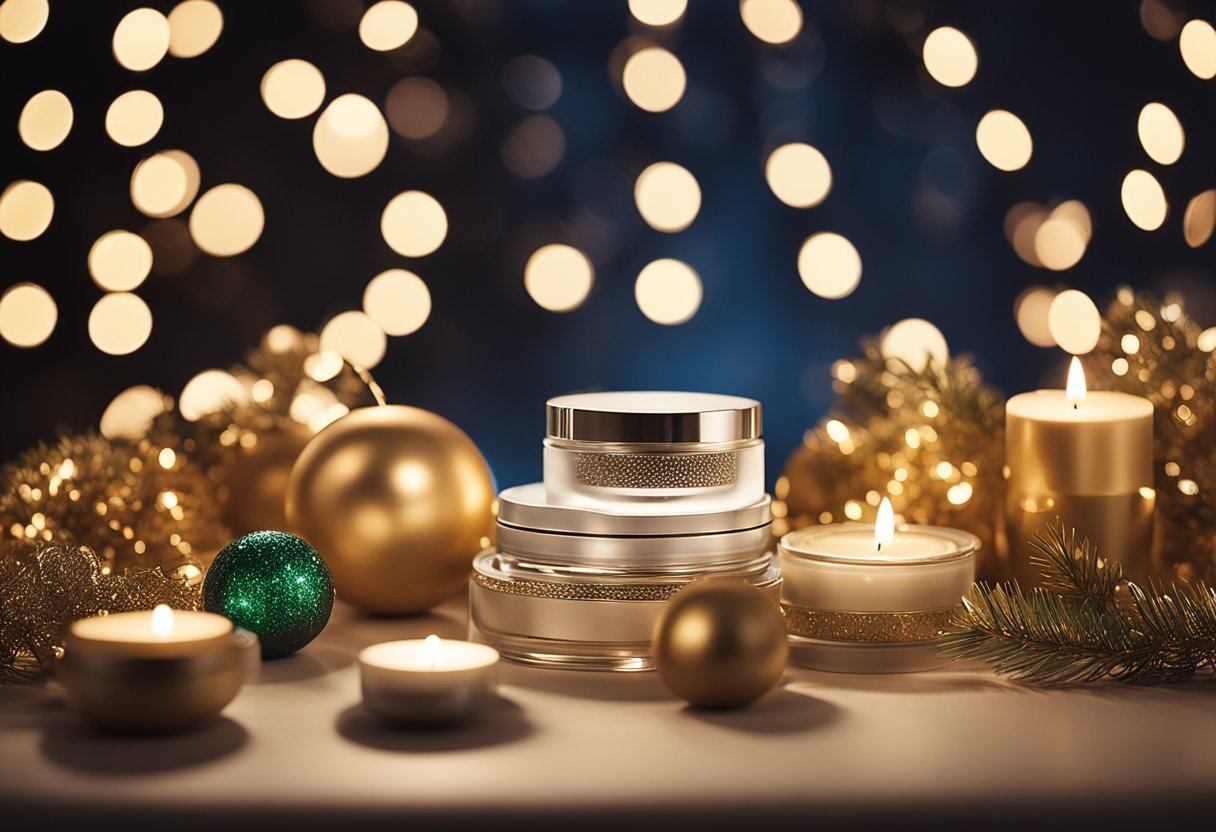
column 1077, row 73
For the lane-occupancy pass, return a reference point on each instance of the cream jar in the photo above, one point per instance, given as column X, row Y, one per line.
column 657, row 452
column 580, row 619
column 532, row 529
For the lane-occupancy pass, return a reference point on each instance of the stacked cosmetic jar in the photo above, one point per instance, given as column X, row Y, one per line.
column 643, row 493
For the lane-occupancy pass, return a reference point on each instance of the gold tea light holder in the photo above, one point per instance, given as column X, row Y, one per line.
column 154, row 671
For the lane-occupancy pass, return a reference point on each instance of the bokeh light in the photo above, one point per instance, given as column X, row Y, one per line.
column 227, row 220
column 1031, row 310
column 27, row 315
column 1022, row 223
column 668, row 292
column 657, row 12
column 534, row 147
column 413, row 224
column 1074, row 211
column 351, row 137
column 1144, row 200
column 45, row 120
column 388, row 25
column 558, row 277
column 915, row 342
column 829, row 265
column 194, row 27
column 668, row 196
column 532, row 82
column 799, row 175
column 1074, row 322
column 772, row 21
column 131, row 413
column 22, row 20
column 120, row 261
column 355, row 337
column 950, row 57
column 654, row 79
column 1161, row 133
column 209, row 392
column 293, row 89
column 141, row 39
column 1199, row 219
column 398, row 301
column 1004, row 140
column 416, row 107
column 165, row 184
column 1059, row 243
column 134, row 118
column 1197, row 43
column 26, row 209
column 120, row 323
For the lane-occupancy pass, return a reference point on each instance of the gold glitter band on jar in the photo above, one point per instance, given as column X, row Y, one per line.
column 604, row 470
column 866, row 627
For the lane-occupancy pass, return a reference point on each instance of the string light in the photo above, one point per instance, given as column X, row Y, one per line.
column 950, row 57
column 558, row 277
column 654, row 79
column 27, row 315
column 194, row 27
column 775, row 22
column 227, row 220
column 141, row 39
column 397, row 301
column 1144, row 200
column 388, row 25
column 23, row 20
column 799, row 175
column 668, row 292
column 668, row 196
column 120, row 323
column 26, row 209
column 829, row 265
column 1161, row 133
column 293, row 89
column 134, row 118
column 414, row 224
column 45, row 120
column 120, row 261
column 1004, row 140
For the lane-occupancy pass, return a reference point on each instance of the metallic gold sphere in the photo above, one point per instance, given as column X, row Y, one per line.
column 720, row 643
column 398, row 501
column 256, row 479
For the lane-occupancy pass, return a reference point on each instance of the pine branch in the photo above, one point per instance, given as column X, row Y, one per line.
column 1074, row 631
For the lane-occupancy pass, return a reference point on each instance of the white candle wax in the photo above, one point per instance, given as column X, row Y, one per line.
column 841, row 568
column 427, row 681
column 153, row 634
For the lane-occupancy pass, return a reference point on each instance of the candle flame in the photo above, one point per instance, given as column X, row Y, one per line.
column 162, row 620
column 432, row 648
column 1075, row 389
column 884, row 526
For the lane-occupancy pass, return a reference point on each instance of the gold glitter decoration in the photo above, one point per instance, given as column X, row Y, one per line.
column 41, row 593
column 117, row 496
column 931, row 439
column 1166, row 362
column 867, row 627
column 656, row 470
column 571, row 591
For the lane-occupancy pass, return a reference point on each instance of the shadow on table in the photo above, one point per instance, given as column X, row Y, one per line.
column 502, row 722
column 313, row 663
column 778, row 712
column 621, row 687
column 73, row 744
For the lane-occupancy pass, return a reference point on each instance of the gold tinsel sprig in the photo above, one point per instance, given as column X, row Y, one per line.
column 1150, row 347
column 929, row 438
column 43, row 592
column 141, row 504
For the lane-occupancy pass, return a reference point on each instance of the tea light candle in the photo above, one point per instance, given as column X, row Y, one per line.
column 427, row 682
column 1086, row 458
column 152, row 671
column 865, row 598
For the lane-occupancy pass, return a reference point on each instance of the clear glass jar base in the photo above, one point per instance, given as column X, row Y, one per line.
column 856, row 657
column 567, row 655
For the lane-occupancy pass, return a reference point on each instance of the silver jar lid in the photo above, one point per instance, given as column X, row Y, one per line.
column 652, row 416
column 525, row 506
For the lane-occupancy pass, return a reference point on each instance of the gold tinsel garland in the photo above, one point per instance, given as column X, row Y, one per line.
column 932, row 439
column 42, row 592
column 155, row 506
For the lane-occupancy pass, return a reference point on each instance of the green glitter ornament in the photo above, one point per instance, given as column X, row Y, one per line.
column 273, row 584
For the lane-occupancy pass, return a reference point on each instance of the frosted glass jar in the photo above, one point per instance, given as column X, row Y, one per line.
column 657, row 452
column 579, row 619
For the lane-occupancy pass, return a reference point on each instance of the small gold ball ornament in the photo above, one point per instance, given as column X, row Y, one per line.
column 398, row 501
column 720, row 643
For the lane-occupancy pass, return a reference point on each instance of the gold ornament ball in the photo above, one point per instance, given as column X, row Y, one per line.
column 257, row 478
column 397, row 500
column 720, row 643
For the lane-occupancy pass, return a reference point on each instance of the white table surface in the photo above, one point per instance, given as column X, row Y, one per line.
column 296, row 750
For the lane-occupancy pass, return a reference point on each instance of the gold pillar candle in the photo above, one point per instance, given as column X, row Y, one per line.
column 153, row 671
column 1087, row 459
